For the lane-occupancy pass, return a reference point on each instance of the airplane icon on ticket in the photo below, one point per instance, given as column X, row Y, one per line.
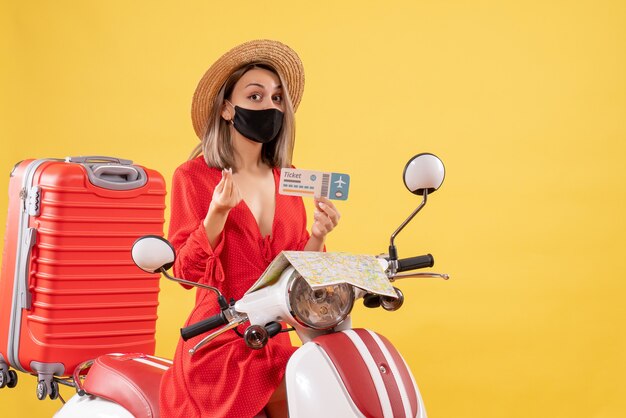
column 339, row 182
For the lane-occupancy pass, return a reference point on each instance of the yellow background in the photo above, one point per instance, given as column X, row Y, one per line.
column 525, row 102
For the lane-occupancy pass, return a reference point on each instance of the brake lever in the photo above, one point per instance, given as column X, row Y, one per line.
column 213, row 335
column 418, row 276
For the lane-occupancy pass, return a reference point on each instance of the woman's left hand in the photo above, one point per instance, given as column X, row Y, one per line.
column 325, row 218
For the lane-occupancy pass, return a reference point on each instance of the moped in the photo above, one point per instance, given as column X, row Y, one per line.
column 338, row 371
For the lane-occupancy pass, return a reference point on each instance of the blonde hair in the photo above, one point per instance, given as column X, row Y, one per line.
column 216, row 145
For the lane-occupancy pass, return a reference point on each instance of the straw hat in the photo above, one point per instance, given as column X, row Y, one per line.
column 278, row 55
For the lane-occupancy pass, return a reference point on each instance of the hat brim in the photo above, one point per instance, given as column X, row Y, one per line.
column 278, row 55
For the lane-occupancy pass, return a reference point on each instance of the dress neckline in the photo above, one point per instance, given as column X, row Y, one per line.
column 270, row 236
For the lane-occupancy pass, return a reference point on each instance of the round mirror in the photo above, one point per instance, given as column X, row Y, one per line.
column 152, row 252
column 424, row 172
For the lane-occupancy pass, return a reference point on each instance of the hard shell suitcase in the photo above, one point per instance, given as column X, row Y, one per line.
column 69, row 290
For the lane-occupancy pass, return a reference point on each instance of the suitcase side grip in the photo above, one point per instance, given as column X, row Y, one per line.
column 29, row 242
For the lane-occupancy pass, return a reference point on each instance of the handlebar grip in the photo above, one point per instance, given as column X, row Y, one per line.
column 203, row 326
column 273, row 328
column 371, row 300
column 413, row 263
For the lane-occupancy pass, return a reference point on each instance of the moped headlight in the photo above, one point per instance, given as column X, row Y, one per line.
column 320, row 308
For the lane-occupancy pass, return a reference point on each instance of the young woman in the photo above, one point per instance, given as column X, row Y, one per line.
column 228, row 222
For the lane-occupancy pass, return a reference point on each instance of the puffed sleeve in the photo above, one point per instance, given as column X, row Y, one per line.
column 195, row 259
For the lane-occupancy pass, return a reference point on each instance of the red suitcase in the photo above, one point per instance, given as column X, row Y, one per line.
column 69, row 290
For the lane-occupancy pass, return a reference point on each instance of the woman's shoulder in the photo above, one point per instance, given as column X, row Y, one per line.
column 197, row 169
column 278, row 169
column 197, row 165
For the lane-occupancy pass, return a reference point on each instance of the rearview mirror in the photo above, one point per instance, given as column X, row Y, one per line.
column 425, row 171
column 423, row 174
column 151, row 253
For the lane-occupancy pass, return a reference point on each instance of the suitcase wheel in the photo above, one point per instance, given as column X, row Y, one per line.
column 44, row 389
column 12, row 379
column 8, row 378
column 54, row 390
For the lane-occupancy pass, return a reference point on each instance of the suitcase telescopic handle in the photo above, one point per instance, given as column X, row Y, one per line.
column 90, row 159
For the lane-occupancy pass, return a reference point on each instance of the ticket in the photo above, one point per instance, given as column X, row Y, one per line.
column 295, row 182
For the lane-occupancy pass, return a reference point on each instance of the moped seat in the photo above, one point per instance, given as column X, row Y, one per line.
column 131, row 380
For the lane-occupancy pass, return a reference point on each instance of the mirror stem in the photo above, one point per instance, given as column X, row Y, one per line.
column 393, row 253
column 194, row 284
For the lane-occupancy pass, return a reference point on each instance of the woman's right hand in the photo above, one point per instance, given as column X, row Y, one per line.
column 225, row 197
column 226, row 194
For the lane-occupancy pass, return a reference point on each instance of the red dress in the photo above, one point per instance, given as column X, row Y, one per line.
column 225, row 378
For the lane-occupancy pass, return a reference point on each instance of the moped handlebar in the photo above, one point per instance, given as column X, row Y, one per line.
column 413, row 263
column 203, row 326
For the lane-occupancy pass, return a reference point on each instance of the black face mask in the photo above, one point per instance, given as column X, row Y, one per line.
column 258, row 125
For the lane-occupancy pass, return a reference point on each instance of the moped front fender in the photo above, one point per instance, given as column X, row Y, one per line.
column 353, row 373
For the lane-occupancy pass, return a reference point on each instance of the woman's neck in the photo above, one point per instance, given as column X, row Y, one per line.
column 247, row 153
